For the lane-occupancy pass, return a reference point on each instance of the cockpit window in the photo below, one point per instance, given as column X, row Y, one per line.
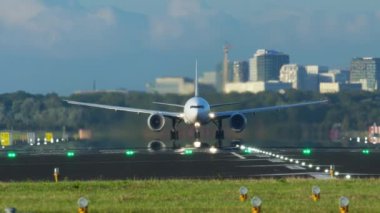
column 197, row 107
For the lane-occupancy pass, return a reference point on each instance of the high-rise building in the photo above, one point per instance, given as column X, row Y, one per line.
column 211, row 78
column 240, row 71
column 226, row 74
column 366, row 71
column 294, row 74
column 265, row 65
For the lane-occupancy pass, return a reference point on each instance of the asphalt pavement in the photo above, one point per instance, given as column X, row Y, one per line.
column 189, row 163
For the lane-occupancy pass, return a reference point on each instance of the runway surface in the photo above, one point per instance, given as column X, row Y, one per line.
column 248, row 163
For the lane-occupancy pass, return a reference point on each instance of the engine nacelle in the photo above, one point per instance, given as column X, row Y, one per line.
column 238, row 122
column 156, row 122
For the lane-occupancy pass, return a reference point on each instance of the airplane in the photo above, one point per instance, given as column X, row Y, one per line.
column 197, row 112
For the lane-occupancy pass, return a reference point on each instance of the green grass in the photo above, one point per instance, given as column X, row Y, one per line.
column 278, row 195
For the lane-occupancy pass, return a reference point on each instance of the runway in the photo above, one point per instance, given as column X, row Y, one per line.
column 115, row 164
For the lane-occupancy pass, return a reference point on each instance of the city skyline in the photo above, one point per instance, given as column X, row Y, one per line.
column 62, row 47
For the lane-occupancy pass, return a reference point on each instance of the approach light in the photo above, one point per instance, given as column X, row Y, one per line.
column 213, row 150
column 129, row 152
column 343, row 204
column 316, row 193
column 303, row 163
column 365, row 151
column 57, row 141
column 326, row 171
column 70, row 154
column 188, row 152
column 297, row 162
column 310, row 166
column 348, row 177
column 83, row 205
column 256, row 204
column 306, row 151
column 38, row 143
column 336, row 173
column 243, row 193
column 11, row 155
column 286, row 158
column 291, row 160
column 197, row 144
column 317, row 168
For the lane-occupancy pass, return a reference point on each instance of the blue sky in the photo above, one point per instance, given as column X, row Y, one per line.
column 63, row 46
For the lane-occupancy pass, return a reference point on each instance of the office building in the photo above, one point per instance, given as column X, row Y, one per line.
column 240, row 71
column 172, row 85
column 294, row 74
column 366, row 71
column 256, row 86
column 265, row 65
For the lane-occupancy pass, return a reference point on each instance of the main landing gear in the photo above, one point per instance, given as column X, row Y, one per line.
column 219, row 134
column 174, row 133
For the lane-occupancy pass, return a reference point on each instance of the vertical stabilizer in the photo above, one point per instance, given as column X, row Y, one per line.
column 196, row 79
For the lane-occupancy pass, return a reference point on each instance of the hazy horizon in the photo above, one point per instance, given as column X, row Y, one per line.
column 63, row 46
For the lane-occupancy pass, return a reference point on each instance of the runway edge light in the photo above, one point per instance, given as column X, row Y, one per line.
column 83, row 205
column 188, row 152
column 343, row 204
column 365, row 151
column 256, row 204
column 306, row 151
column 243, row 193
column 70, row 154
column 11, row 155
column 56, row 174
column 10, row 210
column 129, row 152
column 316, row 196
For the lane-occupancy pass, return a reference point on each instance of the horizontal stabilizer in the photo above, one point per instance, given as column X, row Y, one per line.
column 168, row 104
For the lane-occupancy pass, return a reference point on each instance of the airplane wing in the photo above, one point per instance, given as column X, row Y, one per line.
column 127, row 109
column 227, row 114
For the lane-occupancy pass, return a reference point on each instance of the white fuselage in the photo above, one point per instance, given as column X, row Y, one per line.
column 196, row 111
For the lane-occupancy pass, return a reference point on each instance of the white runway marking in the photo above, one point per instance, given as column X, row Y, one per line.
column 237, row 155
column 295, row 167
column 275, row 160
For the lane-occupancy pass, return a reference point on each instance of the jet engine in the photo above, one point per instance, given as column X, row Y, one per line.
column 156, row 122
column 238, row 122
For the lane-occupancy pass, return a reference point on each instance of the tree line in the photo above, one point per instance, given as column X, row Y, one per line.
column 353, row 111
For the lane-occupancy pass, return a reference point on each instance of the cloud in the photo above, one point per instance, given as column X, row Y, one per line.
column 107, row 15
column 19, row 12
column 359, row 24
column 67, row 30
column 184, row 8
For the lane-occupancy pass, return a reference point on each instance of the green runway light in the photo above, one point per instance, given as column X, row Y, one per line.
column 129, row 152
column 247, row 151
column 306, row 151
column 188, row 152
column 11, row 155
column 70, row 154
column 365, row 151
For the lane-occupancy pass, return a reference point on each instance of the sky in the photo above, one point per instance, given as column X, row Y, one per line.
column 64, row 46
